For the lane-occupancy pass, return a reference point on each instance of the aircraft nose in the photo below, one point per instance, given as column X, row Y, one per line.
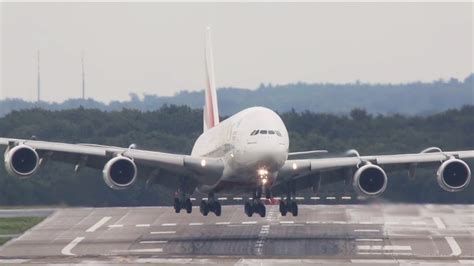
column 271, row 153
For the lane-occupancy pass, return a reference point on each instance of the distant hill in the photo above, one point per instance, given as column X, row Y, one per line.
column 409, row 98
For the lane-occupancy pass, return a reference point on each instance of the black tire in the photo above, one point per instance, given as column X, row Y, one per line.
column 217, row 209
column 283, row 208
column 294, row 208
column 177, row 205
column 261, row 209
column 189, row 206
column 204, row 208
column 248, row 209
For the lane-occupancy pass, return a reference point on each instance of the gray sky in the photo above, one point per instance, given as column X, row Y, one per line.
column 158, row 48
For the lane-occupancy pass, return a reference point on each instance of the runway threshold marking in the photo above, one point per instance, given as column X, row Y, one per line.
column 456, row 250
column 439, row 223
column 68, row 248
column 98, row 224
column 162, row 232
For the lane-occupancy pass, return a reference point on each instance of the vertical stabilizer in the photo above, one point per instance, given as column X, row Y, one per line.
column 211, row 110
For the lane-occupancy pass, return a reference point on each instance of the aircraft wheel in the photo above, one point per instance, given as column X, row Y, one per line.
column 204, row 208
column 217, row 208
column 248, row 209
column 294, row 208
column 261, row 209
column 283, row 208
column 189, row 206
column 177, row 205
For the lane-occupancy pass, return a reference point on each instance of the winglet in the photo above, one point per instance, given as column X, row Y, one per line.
column 211, row 110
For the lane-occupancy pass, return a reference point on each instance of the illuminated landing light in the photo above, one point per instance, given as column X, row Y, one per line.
column 262, row 172
column 232, row 155
column 295, row 166
column 264, row 181
column 203, row 163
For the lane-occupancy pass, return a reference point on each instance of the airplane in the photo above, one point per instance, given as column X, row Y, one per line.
column 248, row 153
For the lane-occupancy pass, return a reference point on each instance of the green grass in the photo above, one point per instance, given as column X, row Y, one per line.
column 4, row 240
column 17, row 225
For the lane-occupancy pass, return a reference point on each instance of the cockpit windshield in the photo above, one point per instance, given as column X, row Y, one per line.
column 265, row 132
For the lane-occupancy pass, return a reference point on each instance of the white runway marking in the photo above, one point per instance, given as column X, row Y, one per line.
column 456, row 250
column 163, row 232
column 154, row 242
column 142, row 225
column 287, row 222
column 366, row 230
column 315, row 198
column 98, row 224
column 195, row 223
column 470, row 262
column 223, row 223
column 346, row 198
column 250, row 222
column 330, row 198
column 68, row 248
column 172, row 224
column 418, row 223
column 313, row 222
column 439, row 223
column 115, row 225
column 12, row 261
column 369, row 239
column 139, row 250
column 366, row 261
column 390, row 248
column 238, row 198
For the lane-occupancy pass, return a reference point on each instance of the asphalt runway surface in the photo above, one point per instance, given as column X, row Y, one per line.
column 384, row 234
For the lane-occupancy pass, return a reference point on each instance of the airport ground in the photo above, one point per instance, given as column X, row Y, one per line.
column 376, row 234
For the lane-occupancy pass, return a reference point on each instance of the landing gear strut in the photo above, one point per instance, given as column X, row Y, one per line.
column 181, row 201
column 212, row 205
column 255, row 205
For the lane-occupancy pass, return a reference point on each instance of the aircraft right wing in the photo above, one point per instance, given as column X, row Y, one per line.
column 24, row 157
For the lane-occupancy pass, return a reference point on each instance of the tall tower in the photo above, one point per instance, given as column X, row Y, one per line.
column 83, row 77
column 39, row 78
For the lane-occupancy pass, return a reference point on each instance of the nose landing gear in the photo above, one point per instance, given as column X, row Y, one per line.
column 255, row 205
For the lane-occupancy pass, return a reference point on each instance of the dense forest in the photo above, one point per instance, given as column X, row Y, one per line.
column 409, row 98
column 174, row 129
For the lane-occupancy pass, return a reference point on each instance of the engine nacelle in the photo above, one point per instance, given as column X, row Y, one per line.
column 370, row 180
column 453, row 175
column 21, row 161
column 119, row 172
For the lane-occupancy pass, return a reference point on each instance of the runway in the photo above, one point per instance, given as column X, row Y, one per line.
column 338, row 234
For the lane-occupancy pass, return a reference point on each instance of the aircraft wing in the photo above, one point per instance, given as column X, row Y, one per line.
column 304, row 173
column 148, row 162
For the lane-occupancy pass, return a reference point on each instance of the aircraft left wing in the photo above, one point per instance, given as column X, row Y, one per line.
column 370, row 171
column 145, row 163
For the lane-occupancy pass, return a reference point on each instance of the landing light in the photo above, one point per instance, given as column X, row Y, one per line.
column 203, row 163
column 262, row 172
column 295, row 166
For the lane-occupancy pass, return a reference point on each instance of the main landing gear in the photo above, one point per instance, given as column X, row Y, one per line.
column 255, row 205
column 211, row 205
column 180, row 204
column 289, row 204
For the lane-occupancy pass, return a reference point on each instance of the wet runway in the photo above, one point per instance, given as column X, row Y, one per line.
column 338, row 234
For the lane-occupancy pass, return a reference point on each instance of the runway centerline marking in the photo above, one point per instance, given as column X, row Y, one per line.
column 162, row 232
column 223, row 223
column 456, row 250
column 154, row 242
column 388, row 247
column 68, row 248
column 287, row 222
column 250, row 222
column 98, row 224
column 369, row 239
column 196, row 223
column 115, row 225
column 439, row 223
column 366, row 230
column 142, row 225
column 170, row 224
column 139, row 250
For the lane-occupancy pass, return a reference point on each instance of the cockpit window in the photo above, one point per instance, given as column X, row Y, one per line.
column 263, row 132
column 271, row 132
column 255, row 132
column 278, row 133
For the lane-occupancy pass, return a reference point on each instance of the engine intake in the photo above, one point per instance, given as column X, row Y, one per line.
column 453, row 175
column 21, row 161
column 370, row 180
column 119, row 172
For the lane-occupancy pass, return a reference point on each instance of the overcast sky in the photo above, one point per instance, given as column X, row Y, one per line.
column 158, row 48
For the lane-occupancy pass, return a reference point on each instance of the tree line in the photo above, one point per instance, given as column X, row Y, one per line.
column 175, row 128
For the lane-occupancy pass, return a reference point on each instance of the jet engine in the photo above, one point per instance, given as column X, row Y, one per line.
column 453, row 175
column 21, row 161
column 119, row 172
column 370, row 180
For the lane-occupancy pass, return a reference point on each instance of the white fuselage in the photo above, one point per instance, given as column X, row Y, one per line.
column 245, row 154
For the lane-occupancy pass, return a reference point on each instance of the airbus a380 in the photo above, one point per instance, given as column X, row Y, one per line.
column 246, row 154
